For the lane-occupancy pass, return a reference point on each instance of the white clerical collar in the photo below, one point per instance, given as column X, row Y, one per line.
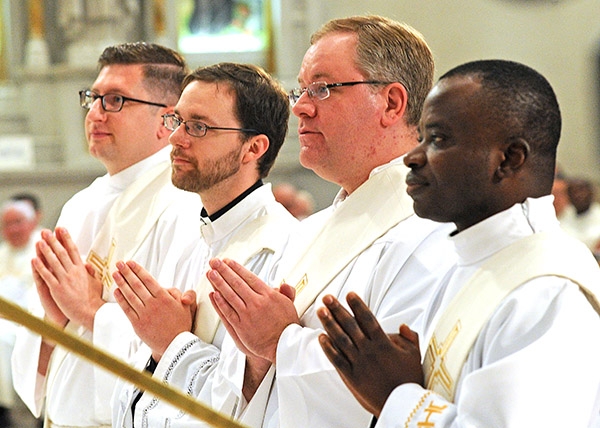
column 502, row 229
column 124, row 178
column 342, row 194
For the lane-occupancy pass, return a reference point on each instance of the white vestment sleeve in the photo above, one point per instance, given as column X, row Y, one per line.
column 185, row 362
column 185, row 365
column 29, row 384
column 114, row 334
column 535, row 363
column 304, row 382
column 224, row 388
column 396, row 283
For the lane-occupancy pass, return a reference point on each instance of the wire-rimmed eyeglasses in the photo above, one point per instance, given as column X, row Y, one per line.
column 195, row 128
column 320, row 90
column 110, row 102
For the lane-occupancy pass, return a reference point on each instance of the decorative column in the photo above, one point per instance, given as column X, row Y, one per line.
column 36, row 49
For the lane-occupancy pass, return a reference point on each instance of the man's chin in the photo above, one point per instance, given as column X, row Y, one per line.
column 185, row 183
column 308, row 158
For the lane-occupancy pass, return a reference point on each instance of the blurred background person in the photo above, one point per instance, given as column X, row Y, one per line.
column 582, row 218
column 35, row 203
column 19, row 219
column 561, row 194
column 299, row 203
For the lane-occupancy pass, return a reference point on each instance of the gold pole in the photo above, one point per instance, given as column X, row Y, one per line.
column 4, row 29
column 116, row 366
column 271, row 64
column 158, row 18
column 36, row 19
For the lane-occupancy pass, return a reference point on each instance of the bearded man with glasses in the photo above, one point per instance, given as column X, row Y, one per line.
column 132, row 212
column 227, row 129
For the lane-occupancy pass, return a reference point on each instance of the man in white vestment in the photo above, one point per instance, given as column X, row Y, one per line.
column 228, row 128
column 513, row 332
column 18, row 222
column 132, row 212
column 362, row 83
column 34, row 201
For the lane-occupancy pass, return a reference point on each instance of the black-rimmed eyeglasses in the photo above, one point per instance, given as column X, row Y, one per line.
column 110, row 102
column 195, row 128
column 320, row 90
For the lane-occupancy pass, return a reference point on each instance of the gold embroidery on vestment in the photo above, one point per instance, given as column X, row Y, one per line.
column 436, row 354
column 430, row 410
column 416, row 409
column 301, row 284
column 101, row 266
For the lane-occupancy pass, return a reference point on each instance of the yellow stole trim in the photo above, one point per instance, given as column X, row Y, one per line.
column 367, row 214
column 541, row 254
column 258, row 235
column 129, row 221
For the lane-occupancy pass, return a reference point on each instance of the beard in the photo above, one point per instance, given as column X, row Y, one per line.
column 197, row 180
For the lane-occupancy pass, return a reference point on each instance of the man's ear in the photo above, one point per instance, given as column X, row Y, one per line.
column 396, row 98
column 516, row 152
column 162, row 131
column 257, row 146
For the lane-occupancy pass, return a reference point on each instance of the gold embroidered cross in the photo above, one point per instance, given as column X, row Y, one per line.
column 101, row 266
column 429, row 410
column 435, row 361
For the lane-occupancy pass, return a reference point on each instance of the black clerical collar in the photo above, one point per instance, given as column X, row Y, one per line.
column 232, row 204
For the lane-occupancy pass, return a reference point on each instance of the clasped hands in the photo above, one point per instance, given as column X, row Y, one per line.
column 157, row 314
column 370, row 362
column 253, row 313
column 68, row 288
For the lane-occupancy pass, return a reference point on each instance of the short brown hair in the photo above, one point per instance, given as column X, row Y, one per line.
column 261, row 103
column 389, row 51
column 164, row 68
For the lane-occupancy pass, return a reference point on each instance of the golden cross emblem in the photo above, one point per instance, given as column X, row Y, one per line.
column 101, row 265
column 435, row 361
column 429, row 411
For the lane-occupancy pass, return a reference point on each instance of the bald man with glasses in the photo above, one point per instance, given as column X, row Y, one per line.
column 132, row 212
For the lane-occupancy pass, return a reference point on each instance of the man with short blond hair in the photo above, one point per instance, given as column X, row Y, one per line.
column 133, row 211
column 362, row 84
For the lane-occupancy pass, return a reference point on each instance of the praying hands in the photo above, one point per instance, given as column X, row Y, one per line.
column 68, row 287
column 157, row 314
column 370, row 362
column 243, row 301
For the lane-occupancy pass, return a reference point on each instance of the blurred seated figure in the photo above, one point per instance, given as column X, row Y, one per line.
column 35, row 203
column 18, row 222
column 299, row 203
column 561, row 195
column 582, row 218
